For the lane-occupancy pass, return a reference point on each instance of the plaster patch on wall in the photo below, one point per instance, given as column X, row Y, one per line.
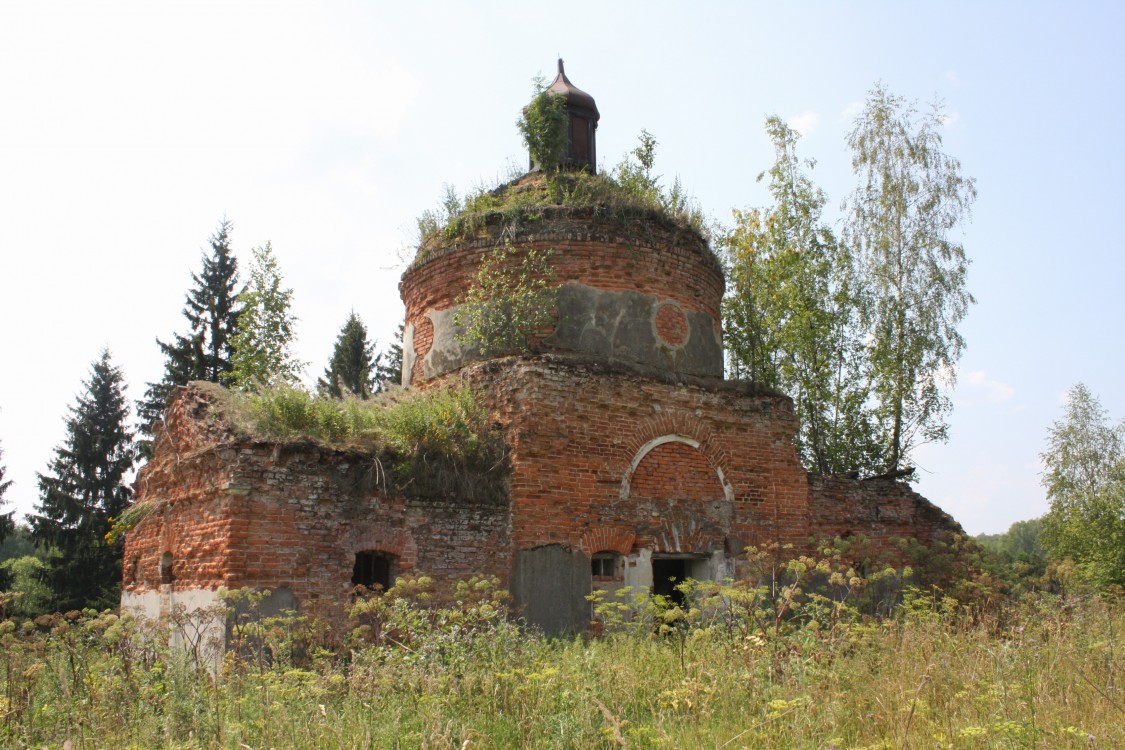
column 408, row 355
column 447, row 353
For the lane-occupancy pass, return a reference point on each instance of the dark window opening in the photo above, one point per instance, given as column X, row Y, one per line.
column 606, row 566
column 166, row 568
column 666, row 575
column 373, row 570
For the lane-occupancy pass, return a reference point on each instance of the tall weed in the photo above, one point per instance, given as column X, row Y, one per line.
column 784, row 659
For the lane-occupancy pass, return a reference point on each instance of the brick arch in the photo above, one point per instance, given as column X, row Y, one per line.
column 397, row 542
column 679, row 422
column 672, row 438
column 617, row 539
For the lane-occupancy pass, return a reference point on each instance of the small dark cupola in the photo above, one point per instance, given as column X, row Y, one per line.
column 582, row 123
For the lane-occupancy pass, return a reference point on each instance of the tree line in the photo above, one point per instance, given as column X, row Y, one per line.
column 239, row 335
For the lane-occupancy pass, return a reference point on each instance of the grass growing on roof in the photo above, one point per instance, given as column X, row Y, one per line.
column 630, row 189
column 447, row 422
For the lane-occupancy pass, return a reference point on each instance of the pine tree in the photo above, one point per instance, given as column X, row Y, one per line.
column 84, row 488
column 388, row 365
column 354, row 363
column 263, row 345
column 7, row 525
column 205, row 353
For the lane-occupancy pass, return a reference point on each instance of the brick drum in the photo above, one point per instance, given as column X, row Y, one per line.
column 606, row 251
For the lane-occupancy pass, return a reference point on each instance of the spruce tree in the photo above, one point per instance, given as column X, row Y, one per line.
column 7, row 525
column 83, row 489
column 354, row 363
column 388, row 368
column 206, row 351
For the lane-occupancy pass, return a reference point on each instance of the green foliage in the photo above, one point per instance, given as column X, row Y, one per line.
column 781, row 597
column 910, row 198
column 1022, row 540
column 543, row 125
column 793, row 315
column 510, row 300
column 125, row 521
column 30, row 595
column 439, row 627
column 1085, row 483
column 957, row 567
column 86, row 486
column 635, row 176
column 1018, row 558
column 205, row 353
column 352, row 369
column 19, row 544
column 781, row 662
column 263, row 344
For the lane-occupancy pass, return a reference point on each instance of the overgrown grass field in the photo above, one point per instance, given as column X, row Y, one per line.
column 737, row 665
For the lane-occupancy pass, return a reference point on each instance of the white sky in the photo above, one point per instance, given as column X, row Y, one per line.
column 128, row 130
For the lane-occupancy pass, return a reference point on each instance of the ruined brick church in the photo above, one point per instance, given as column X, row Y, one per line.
column 630, row 459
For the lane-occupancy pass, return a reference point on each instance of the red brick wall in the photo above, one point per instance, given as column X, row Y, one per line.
column 675, row 471
column 186, row 482
column 878, row 509
column 671, row 325
column 422, row 341
column 575, row 428
column 601, row 458
column 234, row 512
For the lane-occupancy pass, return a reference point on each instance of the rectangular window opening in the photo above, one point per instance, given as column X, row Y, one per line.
column 373, row 570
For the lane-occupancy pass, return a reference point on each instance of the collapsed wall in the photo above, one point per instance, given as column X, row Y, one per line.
column 303, row 520
column 878, row 509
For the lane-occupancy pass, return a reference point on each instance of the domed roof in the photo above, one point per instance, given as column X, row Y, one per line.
column 576, row 98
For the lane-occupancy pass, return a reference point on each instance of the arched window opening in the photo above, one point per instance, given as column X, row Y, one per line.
column 373, row 570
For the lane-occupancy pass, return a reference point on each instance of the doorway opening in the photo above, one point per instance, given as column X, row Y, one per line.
column 667, row 573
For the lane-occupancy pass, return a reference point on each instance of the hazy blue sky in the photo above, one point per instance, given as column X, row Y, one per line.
column 128, row 130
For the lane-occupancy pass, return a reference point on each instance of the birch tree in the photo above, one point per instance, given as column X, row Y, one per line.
column 910, row 199
column 263, row 345
column 1085, row 481
column 793, row 313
